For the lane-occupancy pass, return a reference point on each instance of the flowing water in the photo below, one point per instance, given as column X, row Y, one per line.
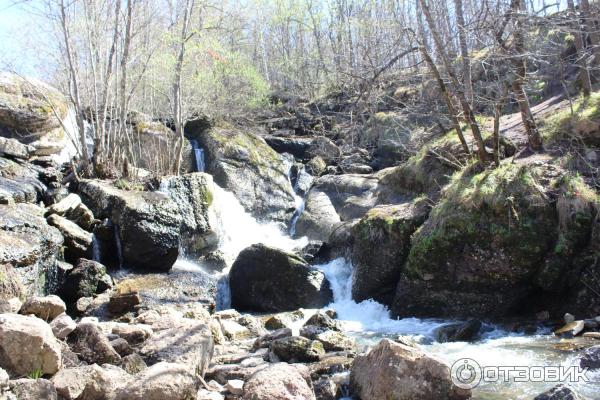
column 198, row 156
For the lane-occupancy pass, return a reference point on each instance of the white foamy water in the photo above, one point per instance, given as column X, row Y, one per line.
column 370, row 321
column 237, row 229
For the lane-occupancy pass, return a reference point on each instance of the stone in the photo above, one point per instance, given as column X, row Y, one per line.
column 148, row 223
column 277, row 382
column 234, row 331
column 133, row 334
column 162, row 381
column 324, row 148
column 121, row 347
column 4, row 378
column 78, row 242
column 193, row 195
column 335, row 341
column 120, row 303
column 592, row 335
column 570, row 329
column 394, row 371
column 265, row 341
column 283, row 320
column 377, row 268
column 590, row 358
column 267, row 279
column 90, row 382
column 253, row 324
column 29, row 244
column 33, row 389
column 91, row 345
column 325, row 389
column 569, row 318
column 458, row 332
column 297, row 349
column 316, row 166
column 11, row 305
column 14, row 149
column 87, row 279
column 319, row 217
column 11, row 287
column 62, row 326
column 46, row 308
column 186, row 341
column 133, row 363
column 323, row 320
column 235, row 387
column 64, row 206
column 38, row 349
column 559, row 392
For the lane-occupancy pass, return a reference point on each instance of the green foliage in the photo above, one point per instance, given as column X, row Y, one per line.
column 35, row 374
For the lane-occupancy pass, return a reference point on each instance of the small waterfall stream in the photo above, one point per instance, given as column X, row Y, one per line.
column 198, row 156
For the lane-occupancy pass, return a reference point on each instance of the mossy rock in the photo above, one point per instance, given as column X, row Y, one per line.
column 489, row 246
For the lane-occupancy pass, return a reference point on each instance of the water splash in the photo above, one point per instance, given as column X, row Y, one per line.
column 198, row 156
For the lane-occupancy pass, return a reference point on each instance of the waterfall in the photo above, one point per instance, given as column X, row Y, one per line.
column 300, row 204
column 198, row 156
column 96, row 249
column 118, row 245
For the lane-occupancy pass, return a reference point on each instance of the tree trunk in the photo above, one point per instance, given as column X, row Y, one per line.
column 464, row 50
column 584, row 73
column 592, row 30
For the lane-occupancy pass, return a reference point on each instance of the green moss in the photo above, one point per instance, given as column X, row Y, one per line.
column 562, row 124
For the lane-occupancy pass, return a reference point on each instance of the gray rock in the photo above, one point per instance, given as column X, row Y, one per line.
column 13, row 304
column 297, row 349
column 323, row 320
column 87, row 279
column 14, row 148
column 46, row 308
column 243, row 163
column 91, row 345
column 162, row 381
column 33, row 389
column 278, row 381
column 62, row 326
column 319, row 217
column 38, row 348
column 90, row 382
column 392, row 370
column 335, row 341
column 133, row 363
column 121, row 303
column 458, row 332
column 11, row 287
column 148, row 223
column 559, row 392
column 268, row 279
column 324, row 148
column 265, row 340
column 591, row 358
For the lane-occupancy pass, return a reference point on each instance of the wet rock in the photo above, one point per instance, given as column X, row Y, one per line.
column 148, row 223
column 325, row 389
column 279, row 381
column 265, row 341
column 323, row 320
column 90, row 382
column 91, row 345
column 560, row 392
column 33, row 389
column 133, row 363
column 377, row 268
column 62, row 326
column 570, row 329
column 162, row 381
column 192, row 193
column 319, row 217
column 186, row 341
column 297, row 349
column 243, row 163
column 38, row 348
column 590, row 358
column 267, row 279
column 395, row 371
column 29, row 245
column 330, row 364
column 46, row 308
column 458, row 332
column 78, row 242
column 87, row 279
column 121, row 303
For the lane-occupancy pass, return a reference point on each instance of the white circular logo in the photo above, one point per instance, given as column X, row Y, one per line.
column 466, row 373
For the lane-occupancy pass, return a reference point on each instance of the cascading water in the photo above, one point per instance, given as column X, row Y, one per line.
column 370, row 321
column 96, row 251
column 118, row 245
column 198, row 156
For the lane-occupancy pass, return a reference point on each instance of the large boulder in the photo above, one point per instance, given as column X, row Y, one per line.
column 278, row 382
column 12, row 148
column 377, row 267
column 185, row 341
column 324, row 147
column 162, row 381
column 20, row 182
column 31, row 111
column 147, row 223
column 30, row 245
column 33, row 389
column 263, row 278
column 519, row 238
column 27, row 344
column 92, row 346
column 319, row 217
column 296, row 146
column 77, row 241
column 393, row 371
column 193, row 195
column 242, row 162
column 87, row 279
